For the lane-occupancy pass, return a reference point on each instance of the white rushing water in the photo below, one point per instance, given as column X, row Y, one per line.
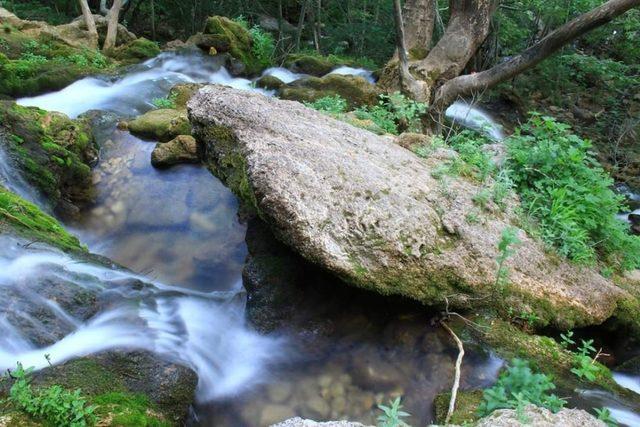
column 350, row 71
column 12, row 180
column 472, row 117
column 205, row 332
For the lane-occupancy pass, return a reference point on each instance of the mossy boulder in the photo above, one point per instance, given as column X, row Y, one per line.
column 182, row 93
column 135, row 51
column 309, row 64
column 222, row 35
column 378, row 217
column 269, row 83
column 355, row 90
column 18, row 216
column 162, row 125
column 53, row 152
column 181, row 149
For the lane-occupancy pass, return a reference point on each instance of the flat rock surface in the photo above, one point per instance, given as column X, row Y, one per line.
column 373, row 213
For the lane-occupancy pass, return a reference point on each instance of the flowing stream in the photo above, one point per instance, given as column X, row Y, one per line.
column 342, row 353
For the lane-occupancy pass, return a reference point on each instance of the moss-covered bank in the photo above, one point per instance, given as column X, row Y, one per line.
column 27, row 220
column 53, row 152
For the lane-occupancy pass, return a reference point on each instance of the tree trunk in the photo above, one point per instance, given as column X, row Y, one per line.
column 153, row 20
column 419, row 20
column 90, row 23
column 417, row 30
column 303, row 13
column 467, row 29
column 467, row 84
column 408, row 83
column 112, row 28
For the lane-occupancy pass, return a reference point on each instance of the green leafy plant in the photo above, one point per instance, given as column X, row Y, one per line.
column 566, row 340
column 585, row 366
column 166, row 102
column 562, row 186
column 508, row 239
column 519, row 386
column 263, row 46
column 53, row 404
column 392, row 415
column 393, row 113
column 604, row 415
column 333, row 105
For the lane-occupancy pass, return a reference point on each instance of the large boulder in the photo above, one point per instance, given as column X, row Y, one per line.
column 378, row 217
column 355, row 90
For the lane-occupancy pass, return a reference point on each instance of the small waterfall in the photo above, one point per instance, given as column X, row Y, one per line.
column 204, row 331
column 282, row 74
column 360, row 72
column 11, row 179
column 472, row 117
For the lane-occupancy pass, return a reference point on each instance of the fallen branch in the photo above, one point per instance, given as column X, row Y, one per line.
column 456, row 381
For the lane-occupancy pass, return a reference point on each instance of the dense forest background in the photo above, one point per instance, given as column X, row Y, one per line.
column 593, row 84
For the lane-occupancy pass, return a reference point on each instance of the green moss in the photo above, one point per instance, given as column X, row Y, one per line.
column 52, row 151
column 227, row 36
column 127, row 410
column 269, row 83
column 163, row 124
column 546, row 355
column 135, row 51
column 229, row 164
column 28, row 220
column 309, row 64
column 465, row 412
column 355, row 90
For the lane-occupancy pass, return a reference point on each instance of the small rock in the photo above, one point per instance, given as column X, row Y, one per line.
column 370, row 371
column 182, row 149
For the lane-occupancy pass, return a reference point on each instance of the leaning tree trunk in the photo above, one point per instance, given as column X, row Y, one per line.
column 468, row 84
column 112, row 28
column 90, row 23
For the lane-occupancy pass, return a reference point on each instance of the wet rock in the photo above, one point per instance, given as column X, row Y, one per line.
column 181, row 149
column 222, row 35
column 135, row 51
column 309, row 64
column 162, row 125
column 355, row 90
column 300, row 422
column 370, row 211
column 182, row 93
column 540, row 417
column 54, row 153
column 269, row 82
column 634, row 219
column 169, row 387
column 274, row 413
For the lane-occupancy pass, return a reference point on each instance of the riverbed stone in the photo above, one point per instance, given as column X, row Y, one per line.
column 181, row 149
column 163, row 124
column 372, row 212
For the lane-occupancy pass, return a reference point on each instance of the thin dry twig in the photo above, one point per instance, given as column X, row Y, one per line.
column 456, row 381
